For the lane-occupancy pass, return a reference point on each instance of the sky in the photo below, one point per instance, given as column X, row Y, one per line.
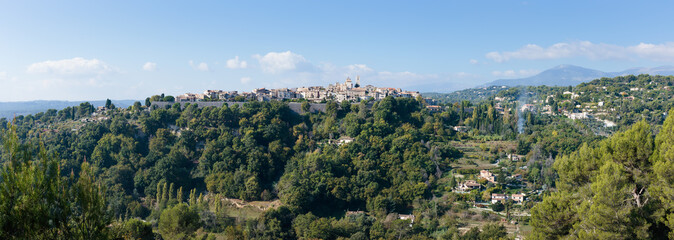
column 93, row 50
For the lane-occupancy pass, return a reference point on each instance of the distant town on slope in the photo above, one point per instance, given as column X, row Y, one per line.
column 347, row 91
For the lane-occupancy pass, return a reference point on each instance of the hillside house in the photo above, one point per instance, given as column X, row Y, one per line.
column 514, row 157
column 527, row 107
column 469, row 185
column 406, row 217
column 518, row 198
column 462, row 129
column 517, row 177
column 350, row 213
column 434, row 108
column 487, row 175
column 344, row 140
column 498, row 197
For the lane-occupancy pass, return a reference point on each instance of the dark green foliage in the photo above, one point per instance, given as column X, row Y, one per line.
column 178, row 222
column 136, row 229
column 36, row 202
column 616, row 190
column 493, row 231
column 474, row 95
column 497, row 207
column 264, row 151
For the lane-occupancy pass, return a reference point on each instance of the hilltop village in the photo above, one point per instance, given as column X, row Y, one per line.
column 347, row 91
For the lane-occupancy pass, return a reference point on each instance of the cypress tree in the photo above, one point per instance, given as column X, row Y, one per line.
column 179, row 196
column 171, row 192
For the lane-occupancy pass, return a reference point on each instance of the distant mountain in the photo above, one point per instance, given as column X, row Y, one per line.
column 9, row 109
column 662, row 70
column 562, row 75
column 570, row 75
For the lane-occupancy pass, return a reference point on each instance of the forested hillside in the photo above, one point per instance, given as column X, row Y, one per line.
column 475, row 95
column 384, row 170
column 152, row 160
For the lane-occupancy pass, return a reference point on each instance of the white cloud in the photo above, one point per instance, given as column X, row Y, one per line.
column 513, row 73
column 245, row 80
column 61, row 76
column 276, row 62
column 657, row 52
column 359, row 68
column 201, row 66
column 150, row 66
column 235, row 63
column 473, row 61
column 594, row 51
column 74, row 66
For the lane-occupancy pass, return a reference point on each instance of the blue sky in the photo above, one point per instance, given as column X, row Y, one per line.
column 88, row 50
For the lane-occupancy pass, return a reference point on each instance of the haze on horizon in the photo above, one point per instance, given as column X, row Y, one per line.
column 83, row 50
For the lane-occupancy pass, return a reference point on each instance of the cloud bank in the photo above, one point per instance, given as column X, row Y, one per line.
column 289, row 69
column 73, row 66
column 277, row 62
column 595, row 51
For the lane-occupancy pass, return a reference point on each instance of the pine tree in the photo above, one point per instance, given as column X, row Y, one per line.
column 554, row 217
column 607, row 216
column 663, row 169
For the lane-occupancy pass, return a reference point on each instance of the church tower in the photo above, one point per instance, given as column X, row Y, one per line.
column 357, row 82
column 348, row 83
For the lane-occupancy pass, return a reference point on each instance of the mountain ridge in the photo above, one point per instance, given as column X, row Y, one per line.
column 571, row 75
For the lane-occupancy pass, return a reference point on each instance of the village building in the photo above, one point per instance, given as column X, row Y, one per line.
column 283, row 93
column 189, row 97
column 487, row 175
column 315, row 94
